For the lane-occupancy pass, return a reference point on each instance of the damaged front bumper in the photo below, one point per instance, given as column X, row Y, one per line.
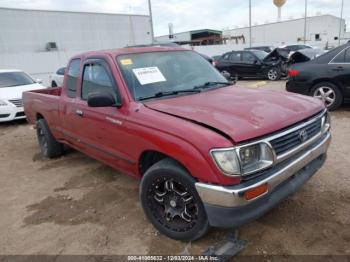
column 226, row 206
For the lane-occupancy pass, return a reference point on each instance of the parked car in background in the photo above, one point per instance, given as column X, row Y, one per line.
column 12, row 84
column 207, row 153
column 249, row 63
column 296, row 47
column 267, row 49
column 57, row 78
column 326, row 77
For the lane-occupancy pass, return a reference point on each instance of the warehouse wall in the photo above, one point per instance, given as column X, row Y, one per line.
column 288, row 32
column 25, row 33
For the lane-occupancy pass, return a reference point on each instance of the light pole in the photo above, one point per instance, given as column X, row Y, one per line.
column 250, row 23
column 151, row 19
column 305, row 20
column 341, row 20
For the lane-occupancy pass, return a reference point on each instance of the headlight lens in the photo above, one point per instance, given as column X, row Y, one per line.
column 255, row 157
column 244, row 160
column 3, row 103
column 227, row 161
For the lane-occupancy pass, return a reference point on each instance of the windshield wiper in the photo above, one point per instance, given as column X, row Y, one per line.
column 169, row 93
column 210, row 84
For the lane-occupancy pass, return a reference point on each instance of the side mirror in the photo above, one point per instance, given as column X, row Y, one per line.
column 257, row 62
column 39, row 81
column 99, row 99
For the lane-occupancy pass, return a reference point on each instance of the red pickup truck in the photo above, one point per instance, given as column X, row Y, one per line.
column 208, row 153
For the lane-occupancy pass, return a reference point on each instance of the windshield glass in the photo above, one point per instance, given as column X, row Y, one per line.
column 260, row 54
column 9, row 79
column 147, row 74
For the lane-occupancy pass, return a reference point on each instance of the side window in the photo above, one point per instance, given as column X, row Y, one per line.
column 248, row 58
column 96, row 79
column 72, row 75
column 347, row 56
column 60, row 71
column 226, row 56
column 235, row 57
column 340, row 58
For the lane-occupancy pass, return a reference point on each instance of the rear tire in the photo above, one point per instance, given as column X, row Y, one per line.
column 171, row 202
column 48, row 144
column 329, row 94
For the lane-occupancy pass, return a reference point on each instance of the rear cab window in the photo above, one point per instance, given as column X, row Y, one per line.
column 72, row 76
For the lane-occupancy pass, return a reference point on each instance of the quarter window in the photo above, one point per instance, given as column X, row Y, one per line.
column 96, row 79
column 72, row 77
column 347, row 56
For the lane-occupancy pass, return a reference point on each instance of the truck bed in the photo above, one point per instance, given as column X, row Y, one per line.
column 42, row 103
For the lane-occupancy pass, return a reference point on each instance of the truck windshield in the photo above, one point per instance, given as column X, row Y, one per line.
column 9, row 79
column 172, row 72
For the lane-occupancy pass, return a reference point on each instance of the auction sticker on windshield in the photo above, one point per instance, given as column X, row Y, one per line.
column 148, row 75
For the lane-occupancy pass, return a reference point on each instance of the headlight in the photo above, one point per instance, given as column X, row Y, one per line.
column 227, row 161
column 3, row 103
column 245, row 159
column 255, row 157
column 326, row 122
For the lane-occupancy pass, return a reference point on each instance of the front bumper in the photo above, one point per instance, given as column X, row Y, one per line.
column 227, row 207
column 9, row 113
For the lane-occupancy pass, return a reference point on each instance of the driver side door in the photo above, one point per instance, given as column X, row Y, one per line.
column 102, row 129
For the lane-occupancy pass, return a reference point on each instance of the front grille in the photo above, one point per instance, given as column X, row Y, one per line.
column 17, row 102
column 4, row 115
column 291, row 140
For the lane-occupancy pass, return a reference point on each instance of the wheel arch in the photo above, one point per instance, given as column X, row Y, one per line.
column 39, row 116
column 149, row 157
column 324, row 80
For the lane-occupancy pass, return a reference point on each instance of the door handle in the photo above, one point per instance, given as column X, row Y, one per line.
column 339, row 68
column 79, row 113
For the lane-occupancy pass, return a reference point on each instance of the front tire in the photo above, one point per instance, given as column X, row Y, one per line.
column 48, row 144
column 273, row 74
column 329, row 94
column 171, row 202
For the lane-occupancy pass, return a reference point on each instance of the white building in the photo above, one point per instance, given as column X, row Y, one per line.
column 320, row 30
column 39, row 42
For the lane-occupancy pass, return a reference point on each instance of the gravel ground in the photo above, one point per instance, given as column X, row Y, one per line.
column 76, row 205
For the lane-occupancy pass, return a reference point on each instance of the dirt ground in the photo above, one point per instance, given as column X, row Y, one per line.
column 76, row 205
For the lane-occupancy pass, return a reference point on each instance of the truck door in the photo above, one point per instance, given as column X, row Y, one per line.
column 67, row 104
column 102, row 129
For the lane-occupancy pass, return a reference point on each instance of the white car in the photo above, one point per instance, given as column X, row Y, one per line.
column 57, row 78
column 12, row 84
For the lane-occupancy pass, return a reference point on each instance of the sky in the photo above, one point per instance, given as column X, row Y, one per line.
column 188, row 15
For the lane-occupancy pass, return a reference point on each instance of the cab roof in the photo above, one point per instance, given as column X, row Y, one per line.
column 134, row 50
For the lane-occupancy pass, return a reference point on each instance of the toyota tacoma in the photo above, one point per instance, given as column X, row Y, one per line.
column 207, row 152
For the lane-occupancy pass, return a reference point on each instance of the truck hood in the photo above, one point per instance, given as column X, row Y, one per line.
column 240, row 113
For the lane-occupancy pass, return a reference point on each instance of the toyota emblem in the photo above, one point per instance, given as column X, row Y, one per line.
column 303, row 135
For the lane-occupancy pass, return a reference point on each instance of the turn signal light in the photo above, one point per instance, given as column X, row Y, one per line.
column 293, row 72
column 255, row 192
